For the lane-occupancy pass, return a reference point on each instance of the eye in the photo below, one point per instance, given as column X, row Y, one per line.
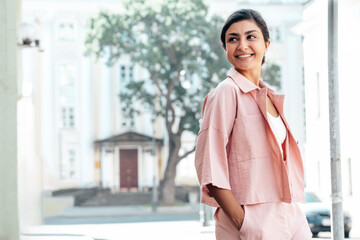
column 251, row 37
column 232, row 39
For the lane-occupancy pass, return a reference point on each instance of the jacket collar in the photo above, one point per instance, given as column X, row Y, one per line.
column 259, row 96
column 245, row 84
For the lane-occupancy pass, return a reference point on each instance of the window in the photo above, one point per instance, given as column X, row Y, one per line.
column 122, row 78
column 71, row 117
column 66, row 31
column 131, row 73
column 63, row 117
column 71, row 157
column 122, row 73
column 126, row 75
column 67, row 95
column 275, row 34
column 67, row 117
column 68, row 164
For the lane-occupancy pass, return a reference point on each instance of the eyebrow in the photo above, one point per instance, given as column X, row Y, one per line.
column 246, row 33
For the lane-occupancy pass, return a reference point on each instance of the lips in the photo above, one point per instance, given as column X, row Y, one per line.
column 244, row 55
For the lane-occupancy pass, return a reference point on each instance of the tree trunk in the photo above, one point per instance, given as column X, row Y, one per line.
column 167, row 185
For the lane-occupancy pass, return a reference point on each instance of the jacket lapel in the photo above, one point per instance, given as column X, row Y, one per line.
column 260, row 99
column 278, row 101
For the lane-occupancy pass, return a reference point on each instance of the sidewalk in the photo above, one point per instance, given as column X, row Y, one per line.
column 123, row 222
column 138, row 210
column 175, row 228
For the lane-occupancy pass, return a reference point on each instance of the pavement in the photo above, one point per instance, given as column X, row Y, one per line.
column 125, row 214
column 126, row 222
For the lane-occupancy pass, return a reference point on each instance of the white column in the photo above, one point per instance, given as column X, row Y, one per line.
column 49, row 136
column 106, row 109
column 86, row 126
column 9, row 18
column 29, row 147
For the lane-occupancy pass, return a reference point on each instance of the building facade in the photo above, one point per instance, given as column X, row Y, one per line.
column 79, row 103
column 313, row 28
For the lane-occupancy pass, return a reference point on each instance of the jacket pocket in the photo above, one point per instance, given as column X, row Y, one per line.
column 249, row 137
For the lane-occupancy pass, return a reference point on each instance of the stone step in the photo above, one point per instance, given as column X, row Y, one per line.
column 108, row 199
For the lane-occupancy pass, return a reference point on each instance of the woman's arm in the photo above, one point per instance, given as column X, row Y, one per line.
column 227, row 201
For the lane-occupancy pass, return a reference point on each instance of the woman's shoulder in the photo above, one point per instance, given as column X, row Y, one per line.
column 224, row 88
column 224, row 94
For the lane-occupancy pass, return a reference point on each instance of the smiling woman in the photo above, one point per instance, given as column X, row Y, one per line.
column 245, row 48
column 243, row 38
column 247, row 160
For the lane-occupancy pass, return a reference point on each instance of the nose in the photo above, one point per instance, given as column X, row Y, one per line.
column 242, row 45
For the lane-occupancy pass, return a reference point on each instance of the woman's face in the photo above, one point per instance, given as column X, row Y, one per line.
column 245, row 46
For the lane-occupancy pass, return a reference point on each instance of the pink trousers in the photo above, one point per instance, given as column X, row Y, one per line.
column 265, row 221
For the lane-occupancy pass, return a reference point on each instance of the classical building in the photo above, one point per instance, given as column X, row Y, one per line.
column 80, row 112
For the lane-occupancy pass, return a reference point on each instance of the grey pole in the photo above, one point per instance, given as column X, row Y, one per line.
column 337, row 227
column 154, row 197
column 9, row 58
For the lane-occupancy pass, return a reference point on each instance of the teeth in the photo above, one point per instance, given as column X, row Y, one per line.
column 243, row 56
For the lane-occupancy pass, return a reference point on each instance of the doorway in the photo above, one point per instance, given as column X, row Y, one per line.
column 128, row 169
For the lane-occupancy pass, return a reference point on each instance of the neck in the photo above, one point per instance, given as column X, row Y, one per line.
column 252, row 76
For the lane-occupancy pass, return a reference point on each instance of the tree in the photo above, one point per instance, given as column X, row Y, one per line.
column 179, row 46
column 271, row 74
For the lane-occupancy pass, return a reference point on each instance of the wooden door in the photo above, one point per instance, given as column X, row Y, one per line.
column 128, row 168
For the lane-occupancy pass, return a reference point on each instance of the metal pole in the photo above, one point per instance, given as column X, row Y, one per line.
column 9, row 60
column 337, row 216
column 154, row 199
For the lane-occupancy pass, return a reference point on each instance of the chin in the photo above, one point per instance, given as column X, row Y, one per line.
column 241, row 68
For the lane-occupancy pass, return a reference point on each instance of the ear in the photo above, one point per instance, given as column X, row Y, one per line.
column 267, row 45
column 224, row 47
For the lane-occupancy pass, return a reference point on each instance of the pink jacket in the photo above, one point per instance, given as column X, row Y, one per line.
column 237, row 150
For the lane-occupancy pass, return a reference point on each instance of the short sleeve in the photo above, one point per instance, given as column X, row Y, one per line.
column 211, row 160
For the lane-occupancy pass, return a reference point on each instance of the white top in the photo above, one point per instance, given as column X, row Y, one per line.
column 278, row 128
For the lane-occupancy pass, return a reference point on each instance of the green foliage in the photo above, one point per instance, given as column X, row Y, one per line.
column 271, row 74
column 176, row 42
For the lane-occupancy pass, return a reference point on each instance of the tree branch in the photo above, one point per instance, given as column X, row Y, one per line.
column 173, row 82
column 154, row 78
column 186, row 154
column 172, row 55
column 181, row 124
column 173, row 115
column 167, row 122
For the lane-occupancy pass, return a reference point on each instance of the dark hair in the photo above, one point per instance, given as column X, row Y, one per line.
column 246, row 14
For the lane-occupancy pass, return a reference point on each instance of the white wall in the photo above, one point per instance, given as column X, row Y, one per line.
column 314, row 29
column 29, row 155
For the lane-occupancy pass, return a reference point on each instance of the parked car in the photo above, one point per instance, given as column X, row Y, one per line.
column 318, row 215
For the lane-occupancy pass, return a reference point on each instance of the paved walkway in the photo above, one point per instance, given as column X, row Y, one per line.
column 174, row 230
column 151, row 230
column 139, row 210
column 159, row 230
